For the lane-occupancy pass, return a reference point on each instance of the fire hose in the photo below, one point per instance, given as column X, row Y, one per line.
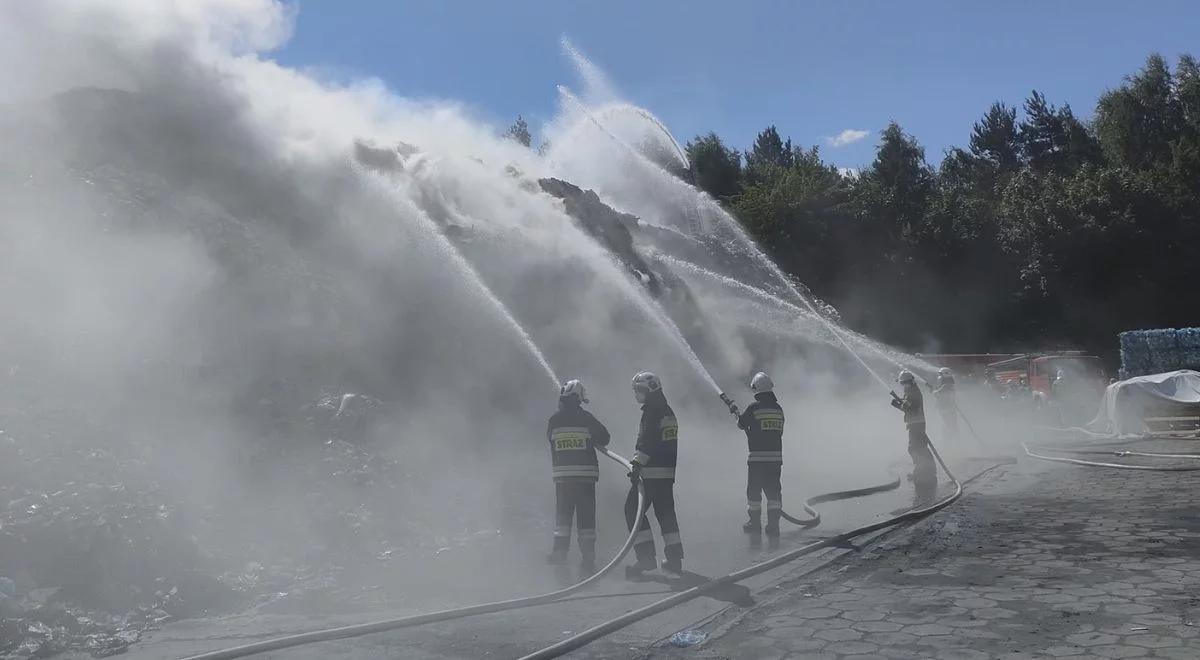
column 612, row 625
column 529, row 601
column 600, row 630
column 444, row 615
column 1035, row 452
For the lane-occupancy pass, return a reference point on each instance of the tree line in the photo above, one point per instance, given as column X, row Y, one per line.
column 1046, row 231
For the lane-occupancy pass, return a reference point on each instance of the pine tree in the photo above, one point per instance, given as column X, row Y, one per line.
column 994, row 138
column 769, row 156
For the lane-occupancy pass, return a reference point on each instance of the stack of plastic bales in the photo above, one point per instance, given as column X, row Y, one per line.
column 1157, row 351
column 1189, row 347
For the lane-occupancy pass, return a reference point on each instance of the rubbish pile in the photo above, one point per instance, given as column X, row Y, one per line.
column 98, row 546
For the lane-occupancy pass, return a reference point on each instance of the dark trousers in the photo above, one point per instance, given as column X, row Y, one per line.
column 924, row 471
column 660, row 495
column 763, row 478
column 575, row 498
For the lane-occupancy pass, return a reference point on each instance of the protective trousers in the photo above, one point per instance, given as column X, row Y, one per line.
column 950, row 422
column 924, row 474
column 660, row 496
column 575, row 499
column 763, row 478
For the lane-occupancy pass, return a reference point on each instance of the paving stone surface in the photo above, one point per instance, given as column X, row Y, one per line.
column 1044, row 561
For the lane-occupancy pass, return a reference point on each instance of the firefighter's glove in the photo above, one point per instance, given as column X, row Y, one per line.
column 897, row 404
column 635, row 474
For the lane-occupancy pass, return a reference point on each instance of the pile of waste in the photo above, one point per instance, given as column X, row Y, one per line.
column 96, row 549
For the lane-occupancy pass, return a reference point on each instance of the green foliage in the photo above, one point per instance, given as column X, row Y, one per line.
column 1137, row 121
column 994, row 138
column 1044, row 231
column 769, row 156
column 717, row 169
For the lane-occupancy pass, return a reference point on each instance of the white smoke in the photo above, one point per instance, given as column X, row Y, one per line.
column 186, row 228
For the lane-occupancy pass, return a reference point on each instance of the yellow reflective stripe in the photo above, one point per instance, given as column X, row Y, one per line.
column 566, row 438
column 670, row 429
column 769, row 420
column 576, row 471
column 658, row 473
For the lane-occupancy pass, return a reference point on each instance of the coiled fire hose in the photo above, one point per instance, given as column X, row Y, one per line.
column 443, row 615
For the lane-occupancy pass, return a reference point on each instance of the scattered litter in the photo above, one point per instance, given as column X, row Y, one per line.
column 1137, row 628
column 686, row 638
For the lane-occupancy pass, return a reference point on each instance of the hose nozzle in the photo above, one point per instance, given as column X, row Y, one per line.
column 733, row 409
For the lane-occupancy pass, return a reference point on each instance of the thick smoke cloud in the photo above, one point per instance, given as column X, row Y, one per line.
column 191, row 253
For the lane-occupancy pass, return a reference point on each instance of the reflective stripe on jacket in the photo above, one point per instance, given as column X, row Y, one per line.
column 658, row 438
column 574, row 434
column 763, row 423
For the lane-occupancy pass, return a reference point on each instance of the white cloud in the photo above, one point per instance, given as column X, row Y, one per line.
column 848, row 136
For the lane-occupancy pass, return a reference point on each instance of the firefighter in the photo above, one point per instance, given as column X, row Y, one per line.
column 945, row 395
column 763, row 423
column 924, row 475
column 574, row 435
column 654, row 465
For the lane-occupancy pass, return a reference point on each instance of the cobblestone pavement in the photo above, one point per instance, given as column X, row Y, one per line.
column 1043, row 561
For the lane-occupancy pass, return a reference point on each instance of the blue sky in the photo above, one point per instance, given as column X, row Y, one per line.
column 814, row 69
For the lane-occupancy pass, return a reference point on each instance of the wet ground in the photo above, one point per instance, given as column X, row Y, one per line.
column 1037, row 560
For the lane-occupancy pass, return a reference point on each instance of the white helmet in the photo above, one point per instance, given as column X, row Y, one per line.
column 643, row 384
column 906, row 377
column 945, row 375
column 573, row 388
column 761, row 383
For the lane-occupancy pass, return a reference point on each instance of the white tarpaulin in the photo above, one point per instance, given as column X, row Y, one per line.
column 1125, row 405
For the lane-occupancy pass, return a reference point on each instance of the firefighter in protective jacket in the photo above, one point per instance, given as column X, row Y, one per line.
column 574, row 435
column 924, row 474
column 945, row 394
column 763, row 423
column 654, row 465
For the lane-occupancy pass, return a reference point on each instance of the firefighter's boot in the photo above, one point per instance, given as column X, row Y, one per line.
column 587, row 566
column 673, row 566
column 634, row 571
column 772, row 529
column 558, row 556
